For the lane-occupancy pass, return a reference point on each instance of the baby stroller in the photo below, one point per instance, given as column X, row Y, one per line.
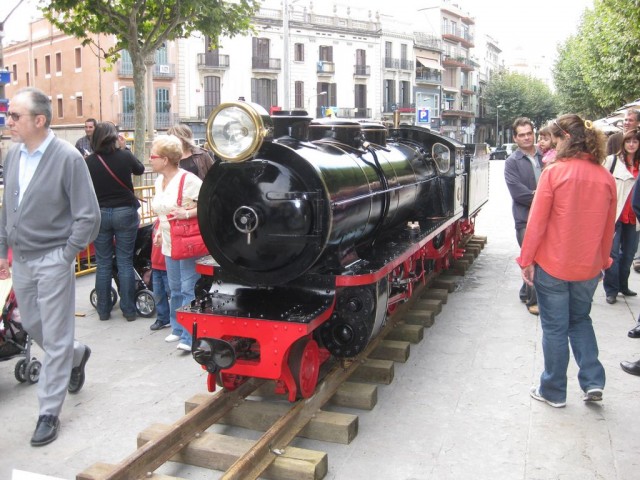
column 14, row 341
column 145, row 303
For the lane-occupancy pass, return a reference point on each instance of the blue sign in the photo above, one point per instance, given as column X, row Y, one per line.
column 422, row 115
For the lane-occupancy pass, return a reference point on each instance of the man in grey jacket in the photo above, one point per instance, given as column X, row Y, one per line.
column 49, row 214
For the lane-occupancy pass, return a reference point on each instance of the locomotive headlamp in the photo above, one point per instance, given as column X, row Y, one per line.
column 236, row 130
column 214, row 354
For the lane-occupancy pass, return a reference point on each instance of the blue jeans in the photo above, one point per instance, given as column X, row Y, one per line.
column 120, row 224
column 564, row 317
column 625, row 244
column 161, row 294
column 182, row 281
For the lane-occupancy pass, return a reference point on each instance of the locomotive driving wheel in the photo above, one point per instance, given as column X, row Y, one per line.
column 304, row 363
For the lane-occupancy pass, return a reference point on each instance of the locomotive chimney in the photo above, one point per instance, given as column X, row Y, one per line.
column 291, row 123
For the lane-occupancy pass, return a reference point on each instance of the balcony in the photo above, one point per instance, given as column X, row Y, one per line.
column 467, row 90
column 325, row 68
column 405, row 107
column 424, row 40
column 213, row 61
column 261, row 63
column 398, row 63
column 458, row 35
column 166, row 70
column 357, row 112
column 361, row 71
column 127, row 121
column 453, row 112
column 427, row 75
column 462, row 62
column 204, row 111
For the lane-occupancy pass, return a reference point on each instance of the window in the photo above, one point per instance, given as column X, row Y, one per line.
column 361, row 57
column 47, row 65
column 162, row 100
column 326, row 53
column 389, row 94
column 331, row 98
column 260, row 52
column 162, row 57
column 445, row 25
column 35, row 67
column 78, row 58
column 388, row 50
column 79, row 106
column 14, row 75
column 298, row 96
column 360, row 100
column 28, row 82
column 60, row 109
column 211, row 94
column 128, row 100
column 405, row 94
column 59, row 63
column 264, row 92
column 298, row 52
column 403, row 51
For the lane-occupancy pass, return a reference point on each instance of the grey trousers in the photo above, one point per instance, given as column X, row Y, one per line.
column 45, row 291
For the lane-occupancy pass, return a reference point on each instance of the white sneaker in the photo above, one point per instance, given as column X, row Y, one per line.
column 172, row 338
column 184, row 347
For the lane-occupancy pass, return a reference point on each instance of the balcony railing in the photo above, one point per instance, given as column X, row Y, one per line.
column 462, row 62
column 459, row 35
column 402, row 107
column 426, row 75
column 164, row 70
column 262, row 63
column 326, row 67
column 427, row 41
column 204, row 111
column 361, row 70
column 398, row 63
column 127, row 121
column 213, row 60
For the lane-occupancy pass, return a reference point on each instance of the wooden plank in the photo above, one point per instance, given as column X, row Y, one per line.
column 375, row 371
column 260, row 415
column 101, row 470
column 395, row 350
column 460, row 267
column 428, row 304
column 469, row 257
column 435, row 294
column 356, row 395
column 472, row 250
column 446, row 282
column 419, row 317
column 480, row 239
column 219, row 452
column 407, row 333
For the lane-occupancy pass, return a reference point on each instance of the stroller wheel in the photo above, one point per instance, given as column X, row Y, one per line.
column 21, row 370
column 145, row 303
column 33, row 371
column 93, row 297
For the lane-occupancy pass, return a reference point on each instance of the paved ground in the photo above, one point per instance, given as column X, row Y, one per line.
column 458, row 409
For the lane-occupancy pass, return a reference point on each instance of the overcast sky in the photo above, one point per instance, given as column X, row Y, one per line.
column 529, row 28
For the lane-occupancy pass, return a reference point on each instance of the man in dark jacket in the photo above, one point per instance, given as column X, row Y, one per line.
column 521, row 172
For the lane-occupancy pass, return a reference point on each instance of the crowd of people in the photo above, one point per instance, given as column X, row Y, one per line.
column 85, row 195
column 575, row 181
column 561, row 187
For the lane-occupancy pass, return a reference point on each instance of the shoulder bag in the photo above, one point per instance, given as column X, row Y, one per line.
column 186, row 241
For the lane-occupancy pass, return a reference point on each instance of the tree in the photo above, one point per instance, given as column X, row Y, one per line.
column 142, row 26
column 597, row 69
column 520, row 96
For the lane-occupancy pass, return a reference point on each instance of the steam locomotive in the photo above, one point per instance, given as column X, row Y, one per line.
column 318, row 230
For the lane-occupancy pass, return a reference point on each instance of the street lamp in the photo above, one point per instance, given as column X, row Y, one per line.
column 314, row 96
column 498, row 107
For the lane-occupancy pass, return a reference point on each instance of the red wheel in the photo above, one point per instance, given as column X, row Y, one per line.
column 304, row 363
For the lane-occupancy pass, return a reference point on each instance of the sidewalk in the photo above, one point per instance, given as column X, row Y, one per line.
column 458, row 409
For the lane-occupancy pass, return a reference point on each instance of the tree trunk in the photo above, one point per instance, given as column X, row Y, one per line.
column 139, row 71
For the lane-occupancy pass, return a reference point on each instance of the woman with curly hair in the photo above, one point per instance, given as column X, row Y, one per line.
column 566, row 247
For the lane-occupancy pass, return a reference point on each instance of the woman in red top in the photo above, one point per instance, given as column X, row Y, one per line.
column 625, row 241
column 565, row 248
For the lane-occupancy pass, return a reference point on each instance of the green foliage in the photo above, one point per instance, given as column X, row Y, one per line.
column 520, row 96
column 142, row 26
column 597, row 69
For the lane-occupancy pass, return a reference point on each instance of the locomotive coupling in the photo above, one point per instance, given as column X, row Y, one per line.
column 213, row 354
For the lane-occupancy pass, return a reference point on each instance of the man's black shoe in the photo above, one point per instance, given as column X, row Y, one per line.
column 611, row 299
column 628, row 293
column 631, row 367
column 158, row 325
column 635, row 331
column 46, row 430
column 77, row 373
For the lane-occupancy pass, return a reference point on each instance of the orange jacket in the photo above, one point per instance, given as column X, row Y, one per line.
column 572, row 220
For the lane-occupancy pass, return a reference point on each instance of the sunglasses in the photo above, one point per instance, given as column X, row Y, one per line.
column 16, row 116
column 153, row 157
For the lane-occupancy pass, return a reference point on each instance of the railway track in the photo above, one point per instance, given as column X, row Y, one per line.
column 351, row 384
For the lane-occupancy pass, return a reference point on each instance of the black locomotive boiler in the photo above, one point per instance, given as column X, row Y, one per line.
column 317, row 230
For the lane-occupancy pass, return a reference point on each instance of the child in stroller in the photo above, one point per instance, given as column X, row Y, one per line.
column 145, row 304
column 14, row 340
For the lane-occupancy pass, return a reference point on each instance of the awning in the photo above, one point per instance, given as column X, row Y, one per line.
column 429, row 63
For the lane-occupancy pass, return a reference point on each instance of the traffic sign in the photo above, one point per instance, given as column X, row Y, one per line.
column 422, row 115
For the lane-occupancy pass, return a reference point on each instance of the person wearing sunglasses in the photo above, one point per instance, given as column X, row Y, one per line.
column 565, row 249
column 49, row 214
